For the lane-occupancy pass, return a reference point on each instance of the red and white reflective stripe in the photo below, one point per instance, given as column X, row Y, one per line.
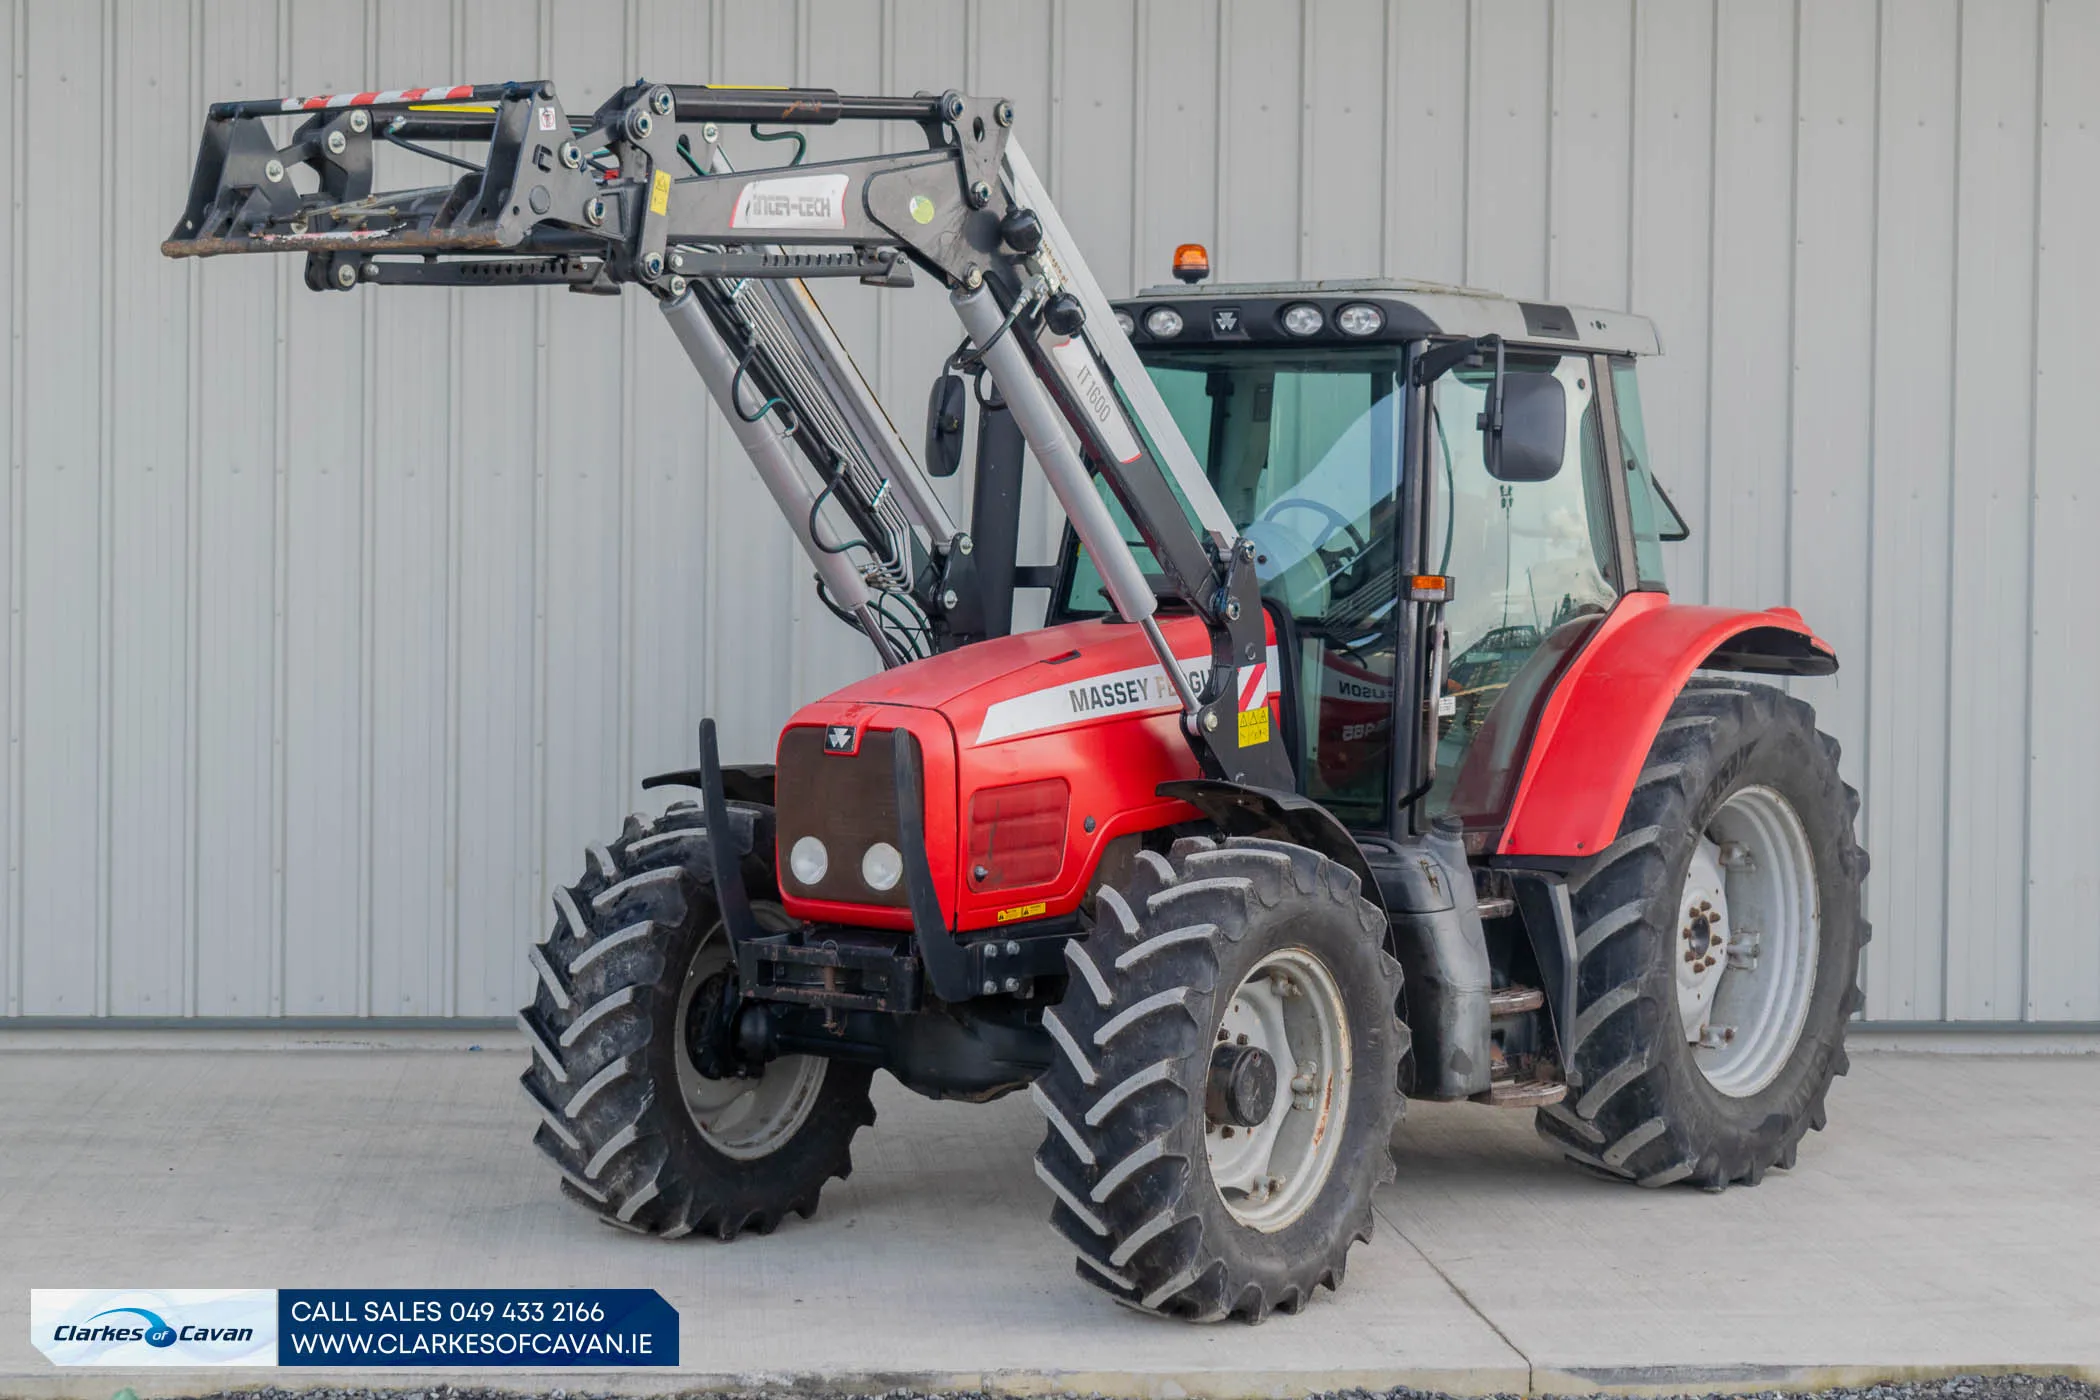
column 1254, row 691
column 457, row 93
column 1137, row 690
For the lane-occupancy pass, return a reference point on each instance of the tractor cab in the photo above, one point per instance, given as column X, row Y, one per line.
column 1402, row 550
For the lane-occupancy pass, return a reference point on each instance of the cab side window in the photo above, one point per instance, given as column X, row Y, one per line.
column 1643, row 497
column 1532, row 566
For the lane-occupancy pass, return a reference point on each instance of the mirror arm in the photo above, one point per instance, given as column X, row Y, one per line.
column 1491, row 416
column 1431, row 364
column 1490, row 421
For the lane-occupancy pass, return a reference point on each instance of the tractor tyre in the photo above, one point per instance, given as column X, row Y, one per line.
column 1224, row 1086
column 637, row 955
column 1717, row 949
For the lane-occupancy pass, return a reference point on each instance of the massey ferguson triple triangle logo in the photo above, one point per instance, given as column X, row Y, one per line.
column 838, row 738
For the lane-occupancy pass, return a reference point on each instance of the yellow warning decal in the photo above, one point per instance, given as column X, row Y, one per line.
column 1023, row 911
column 660, row 192
column 1254, row 726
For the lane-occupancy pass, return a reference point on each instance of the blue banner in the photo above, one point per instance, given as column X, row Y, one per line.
column 432, row 1327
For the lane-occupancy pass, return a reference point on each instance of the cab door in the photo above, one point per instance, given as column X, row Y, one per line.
column 1535, row 565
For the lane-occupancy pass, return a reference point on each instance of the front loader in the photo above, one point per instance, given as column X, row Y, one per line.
column 1363, row 752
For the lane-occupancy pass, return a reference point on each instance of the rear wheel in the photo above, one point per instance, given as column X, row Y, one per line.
column 1223, row 1095
column 651, row 1128
column 1717, row 944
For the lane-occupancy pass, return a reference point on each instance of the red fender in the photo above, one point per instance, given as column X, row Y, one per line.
column 1597, row 727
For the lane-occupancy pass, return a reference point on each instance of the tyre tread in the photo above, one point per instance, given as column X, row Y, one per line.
column 1116, row 1099
column 624, row 1146
column 1631, row 1122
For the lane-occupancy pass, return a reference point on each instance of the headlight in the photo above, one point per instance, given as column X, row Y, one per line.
column 1163, row 322
column 882, row 867
column 1359, row 318
column 1129, row 327
column 1303, row 319
column 808, row 860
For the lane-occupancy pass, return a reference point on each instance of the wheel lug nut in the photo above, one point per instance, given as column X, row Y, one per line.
column 1240, row 1039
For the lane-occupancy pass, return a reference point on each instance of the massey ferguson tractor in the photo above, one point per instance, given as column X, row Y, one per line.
column 1363, row 753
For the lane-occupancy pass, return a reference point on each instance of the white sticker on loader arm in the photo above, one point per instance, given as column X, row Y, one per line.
column 1134, row 691
column 798, row 201
column 1089, row 388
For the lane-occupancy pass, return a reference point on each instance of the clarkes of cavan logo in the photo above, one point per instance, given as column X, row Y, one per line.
column 154, row 1326
column 155, row 1332
column 152, row 1329
column 838, row 738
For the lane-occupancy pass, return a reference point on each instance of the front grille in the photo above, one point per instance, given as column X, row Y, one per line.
column 847, row 801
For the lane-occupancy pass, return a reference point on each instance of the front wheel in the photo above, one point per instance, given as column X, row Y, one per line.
column 650, row 1129
column 1717, row 944
column 1224, row 1087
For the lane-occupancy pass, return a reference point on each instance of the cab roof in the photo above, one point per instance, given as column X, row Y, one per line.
column 1251, row 312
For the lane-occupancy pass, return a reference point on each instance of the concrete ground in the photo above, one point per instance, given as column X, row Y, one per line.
column 1949, row 1220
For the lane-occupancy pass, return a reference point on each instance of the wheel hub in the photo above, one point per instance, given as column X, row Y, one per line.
column 710, row 1024
column 1284, row 1029
column 743, row 1111
column 1702, row 931
column 1748, row 940
column 1242, row 1088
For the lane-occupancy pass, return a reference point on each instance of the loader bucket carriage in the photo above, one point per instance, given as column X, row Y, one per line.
column 1362, row 752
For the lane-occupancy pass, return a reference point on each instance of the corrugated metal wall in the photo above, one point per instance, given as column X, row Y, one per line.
column 336, row 625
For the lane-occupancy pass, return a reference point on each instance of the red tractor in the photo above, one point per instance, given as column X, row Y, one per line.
column 1363, row 753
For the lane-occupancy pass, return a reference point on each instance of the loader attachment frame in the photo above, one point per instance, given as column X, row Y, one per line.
column 639, row 191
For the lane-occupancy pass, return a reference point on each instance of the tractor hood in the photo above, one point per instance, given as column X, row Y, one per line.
column 1057, row 738
column 1051, row 678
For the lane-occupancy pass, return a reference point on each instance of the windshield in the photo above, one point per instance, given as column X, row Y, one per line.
column 1304, row 450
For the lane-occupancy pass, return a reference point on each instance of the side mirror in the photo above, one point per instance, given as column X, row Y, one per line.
column 1533, row 433
column 944, row 424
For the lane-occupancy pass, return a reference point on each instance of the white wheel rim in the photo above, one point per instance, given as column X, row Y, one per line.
column 743, row 1118
column 1290, row 1007
column 1749, row 933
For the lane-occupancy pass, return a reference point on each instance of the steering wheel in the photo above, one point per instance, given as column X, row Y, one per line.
column 1335, row 560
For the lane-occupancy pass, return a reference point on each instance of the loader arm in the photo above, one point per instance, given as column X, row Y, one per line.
column 639, row 192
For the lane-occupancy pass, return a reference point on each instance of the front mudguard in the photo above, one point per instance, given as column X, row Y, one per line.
column 1242, row 809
